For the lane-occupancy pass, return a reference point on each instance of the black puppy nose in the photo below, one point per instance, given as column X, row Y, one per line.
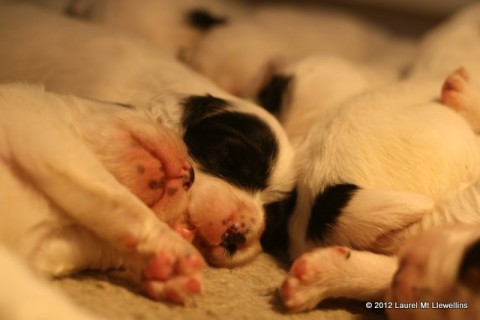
column 230, row 241
column 189, row 179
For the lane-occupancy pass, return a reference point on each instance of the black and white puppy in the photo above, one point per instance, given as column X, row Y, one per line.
column 245, row 161
column 374, row 172
column 89, row 185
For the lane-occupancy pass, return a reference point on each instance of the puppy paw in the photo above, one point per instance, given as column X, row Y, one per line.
column 462, row 95
column 313, row 277
column 173, row 278
column 457, row 90
column 436, row 268
column 170, row 266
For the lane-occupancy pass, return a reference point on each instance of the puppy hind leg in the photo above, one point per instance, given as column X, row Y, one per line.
column 441, row 265
column 461, row 94
column 336, row 272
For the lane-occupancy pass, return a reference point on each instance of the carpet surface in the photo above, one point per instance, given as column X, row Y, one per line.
column 248, row 292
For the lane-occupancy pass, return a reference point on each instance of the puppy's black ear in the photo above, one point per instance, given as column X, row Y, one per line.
column 469, row 272
column 271, row 96
column 237, row 147
column 197, row 108
column 204, row 20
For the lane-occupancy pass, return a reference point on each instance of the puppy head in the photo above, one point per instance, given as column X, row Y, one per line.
column 245, row 162
column 299, row 91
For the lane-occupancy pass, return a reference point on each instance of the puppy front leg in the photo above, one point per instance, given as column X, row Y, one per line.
column 336, row 272
column 463, row 95
column 68, row 173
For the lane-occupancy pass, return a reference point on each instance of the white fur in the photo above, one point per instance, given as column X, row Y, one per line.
column 63, row 207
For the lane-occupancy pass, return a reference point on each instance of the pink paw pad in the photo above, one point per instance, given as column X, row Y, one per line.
column 178, row 291
column 173, row 279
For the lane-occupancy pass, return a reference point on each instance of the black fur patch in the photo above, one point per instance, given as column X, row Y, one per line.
column 327, row 208
column 271, row 95
column 469, row 273
column 275, row 238
column 197, row 108
column 202, row 19
column 237, row 147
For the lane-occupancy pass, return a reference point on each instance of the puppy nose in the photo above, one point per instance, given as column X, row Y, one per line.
column 189, row 178
column 231, row 239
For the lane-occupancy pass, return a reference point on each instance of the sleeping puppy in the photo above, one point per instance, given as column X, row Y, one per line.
column 265, row 41
column 89, row 185
column 174, row 26
column 372, row 173
column 243, row 155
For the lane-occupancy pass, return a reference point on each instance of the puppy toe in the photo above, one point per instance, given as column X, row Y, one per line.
column 309, row 279
column 456, row 90
column 172, row 278
column 161, row 266
column 180, row 290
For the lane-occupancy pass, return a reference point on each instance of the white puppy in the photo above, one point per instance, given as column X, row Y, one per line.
column 372, row 173
column 243, row 155
column 89, row 185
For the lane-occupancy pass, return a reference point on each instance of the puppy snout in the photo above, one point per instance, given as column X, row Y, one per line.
column 232, row 239
column 189, row 178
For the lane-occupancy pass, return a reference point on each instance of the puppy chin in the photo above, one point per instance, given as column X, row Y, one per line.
column 228, row 221
column 220, row 257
